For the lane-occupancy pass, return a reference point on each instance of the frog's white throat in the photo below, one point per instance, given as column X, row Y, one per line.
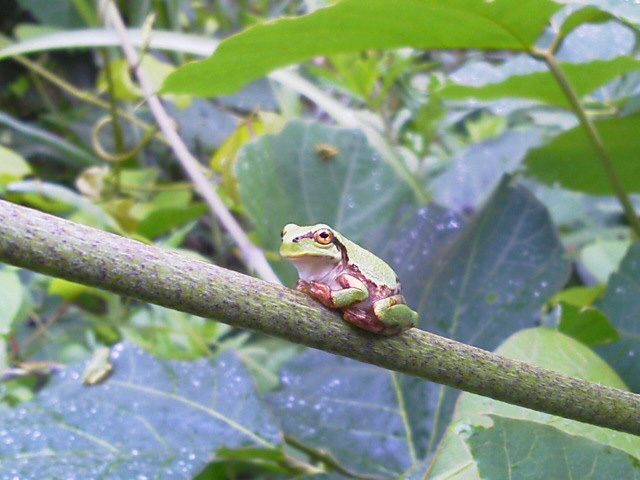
column 315, row 268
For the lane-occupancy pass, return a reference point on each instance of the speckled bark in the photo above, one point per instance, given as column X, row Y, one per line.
column 64, row 249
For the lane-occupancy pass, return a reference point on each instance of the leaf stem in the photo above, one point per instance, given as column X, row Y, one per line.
column 58, row 247
column 592, row 133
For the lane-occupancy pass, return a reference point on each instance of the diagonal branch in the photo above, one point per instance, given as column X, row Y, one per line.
column 253, row 256
column 58, row 247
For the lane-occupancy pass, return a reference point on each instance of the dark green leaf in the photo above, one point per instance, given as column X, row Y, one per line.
column 61, row 13
column 355, row 25
column 516, row 449
column 489, row 280
column 542, row 86
column 151, row 419
column 570, row 158
column 621, row 304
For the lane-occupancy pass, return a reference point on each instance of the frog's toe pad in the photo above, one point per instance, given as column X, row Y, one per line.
column 393, row 312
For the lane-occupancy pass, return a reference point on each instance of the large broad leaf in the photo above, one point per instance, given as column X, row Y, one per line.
column 549, row 349
column 150, row 419
column 542, row 86
column 355, row 25
column 475, row 172
column 356, row 412
column 513, row 449
column 621, row 304
column 570, row 158
column 482, row 282
column 493, row 278
column 285, row 178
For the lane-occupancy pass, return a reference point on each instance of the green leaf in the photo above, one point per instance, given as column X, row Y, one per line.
column 589, row 14
column 171, row 334
column 543, row 87
column 12, row 166
column 587, row 325
column 621, row 304
column 545, row 348
column 150, row 419
column 283, row 179
column 356, row 412
column 11, row 294
column 570, row 160
column 579, row 296
column 355, row 25
column 513, row 449
column 163, row 220
column 602, row 257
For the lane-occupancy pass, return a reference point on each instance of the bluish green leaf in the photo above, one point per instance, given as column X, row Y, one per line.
column 355, row 25
column 150, row 419
column 517, row 449
column 621, row 304
column 355, row 411
column 494, row 276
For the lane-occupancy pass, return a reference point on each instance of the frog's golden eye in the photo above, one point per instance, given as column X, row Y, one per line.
column 323, row 237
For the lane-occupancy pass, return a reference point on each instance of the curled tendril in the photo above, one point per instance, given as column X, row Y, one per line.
column 117, row 157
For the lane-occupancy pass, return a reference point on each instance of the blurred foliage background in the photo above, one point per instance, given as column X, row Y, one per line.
column 487, row 150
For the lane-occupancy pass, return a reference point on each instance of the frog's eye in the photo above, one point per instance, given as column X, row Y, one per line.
column 323, row 237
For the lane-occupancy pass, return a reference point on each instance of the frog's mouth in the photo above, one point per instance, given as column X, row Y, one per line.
column 314, row 267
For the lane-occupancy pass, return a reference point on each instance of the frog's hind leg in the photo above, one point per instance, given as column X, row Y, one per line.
column 394, row 313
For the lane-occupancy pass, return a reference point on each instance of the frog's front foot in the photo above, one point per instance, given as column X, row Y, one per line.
column 317, row 290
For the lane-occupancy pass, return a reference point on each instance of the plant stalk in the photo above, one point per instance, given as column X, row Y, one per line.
column 593, row 135
column 58, row 247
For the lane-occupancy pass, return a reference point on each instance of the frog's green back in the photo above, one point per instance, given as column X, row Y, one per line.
column 372, row 267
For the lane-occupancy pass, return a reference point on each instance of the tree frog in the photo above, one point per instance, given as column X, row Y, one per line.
column 342, row 275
